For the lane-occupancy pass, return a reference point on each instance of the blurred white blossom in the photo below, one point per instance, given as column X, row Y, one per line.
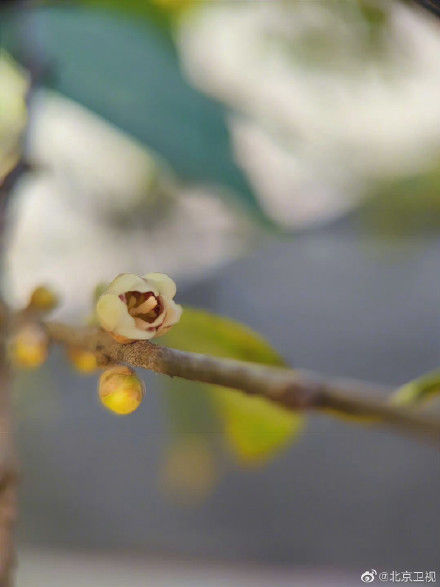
column 101, row 204
column 321, row 109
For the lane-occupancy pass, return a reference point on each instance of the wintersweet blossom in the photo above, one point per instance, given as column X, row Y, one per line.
column 138, row 308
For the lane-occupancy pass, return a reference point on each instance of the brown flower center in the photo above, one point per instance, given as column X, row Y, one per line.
column 144, row 307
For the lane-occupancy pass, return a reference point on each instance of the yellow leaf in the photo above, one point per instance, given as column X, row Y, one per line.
column 254, row 428
column 418, row 391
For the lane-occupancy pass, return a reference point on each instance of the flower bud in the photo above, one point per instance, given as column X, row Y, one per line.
column 138, row 308
column 29, row 347
column 84, row 361
column 43, row 299
column 121, row 390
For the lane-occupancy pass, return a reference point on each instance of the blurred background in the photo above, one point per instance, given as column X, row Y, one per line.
column 281, row 161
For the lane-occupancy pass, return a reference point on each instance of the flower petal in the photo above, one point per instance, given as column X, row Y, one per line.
column 114, row 317
column 112, row 311
column 164, row 284
column 146, row 306
column 131, row 282
column 133, row 333
column 173, row 313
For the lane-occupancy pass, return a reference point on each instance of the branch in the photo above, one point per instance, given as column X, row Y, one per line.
column 8, row 460
column 8, row 467
column 292, row 389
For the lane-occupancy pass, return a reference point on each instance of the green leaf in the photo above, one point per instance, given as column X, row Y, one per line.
column 161, row 12
column 405, row 206
column 128, row 72
column 255, row 429
column 418, row 391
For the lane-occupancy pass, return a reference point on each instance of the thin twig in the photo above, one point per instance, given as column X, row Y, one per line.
column 293, row 389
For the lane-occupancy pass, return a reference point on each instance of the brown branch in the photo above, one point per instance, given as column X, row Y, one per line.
column 8, row 460
column 8, row 468
column 293, row 389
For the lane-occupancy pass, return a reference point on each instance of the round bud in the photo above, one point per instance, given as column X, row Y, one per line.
column 29, row 347
column 84, row 361
column 43, row 298
column 120, row 390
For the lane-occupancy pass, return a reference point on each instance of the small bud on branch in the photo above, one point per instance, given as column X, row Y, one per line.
column 43, row 299
column 133, row 309
column 29, row 347
column 292, row 389
column 84, row 361
column 120, row 390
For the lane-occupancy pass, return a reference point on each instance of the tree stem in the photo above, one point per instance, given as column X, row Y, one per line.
column 292, row 389
column 8, row 468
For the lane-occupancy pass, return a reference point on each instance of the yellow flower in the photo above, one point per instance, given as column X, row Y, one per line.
column 84, row 361
column 138, row 308
column 120, row 390
column 29, row 347
column 43, row 298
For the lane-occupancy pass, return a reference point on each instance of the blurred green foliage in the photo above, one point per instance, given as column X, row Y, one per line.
column 404, row 207
column 255, row 429
column 127, row 71
column 162, row 12
column 420, row 390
